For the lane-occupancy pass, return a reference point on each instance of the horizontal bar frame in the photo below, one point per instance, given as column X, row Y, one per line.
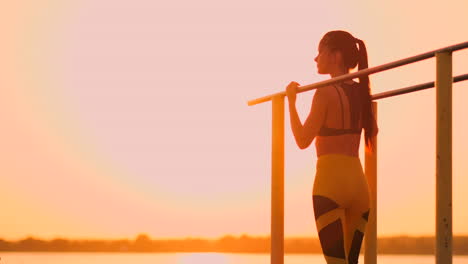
column 414, row 88
column 364, row 72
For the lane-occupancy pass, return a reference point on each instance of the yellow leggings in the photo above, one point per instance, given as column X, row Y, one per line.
column 341, row 207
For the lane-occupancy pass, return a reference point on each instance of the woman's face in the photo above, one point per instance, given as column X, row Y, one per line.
column 325, row 58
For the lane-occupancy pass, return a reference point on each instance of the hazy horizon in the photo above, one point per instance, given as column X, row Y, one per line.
column 205, row 238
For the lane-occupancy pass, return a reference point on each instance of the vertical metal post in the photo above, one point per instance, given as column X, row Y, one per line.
column 370, row 242
column 277, row 181
column 444, row 158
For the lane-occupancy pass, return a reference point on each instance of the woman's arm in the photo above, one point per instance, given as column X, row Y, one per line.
column 305, row 134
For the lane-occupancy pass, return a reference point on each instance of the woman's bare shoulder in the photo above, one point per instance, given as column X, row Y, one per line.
column 325, row 92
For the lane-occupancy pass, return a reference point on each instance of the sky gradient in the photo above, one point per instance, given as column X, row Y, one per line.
column 122, row 117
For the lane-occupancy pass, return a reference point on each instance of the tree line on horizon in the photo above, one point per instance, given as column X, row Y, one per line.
column 226, row 244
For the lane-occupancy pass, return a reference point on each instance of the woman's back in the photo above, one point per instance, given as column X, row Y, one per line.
column 341, row 131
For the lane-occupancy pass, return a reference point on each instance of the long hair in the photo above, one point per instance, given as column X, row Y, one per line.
column 353, row 55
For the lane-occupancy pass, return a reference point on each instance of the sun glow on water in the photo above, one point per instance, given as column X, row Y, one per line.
column 206, row 258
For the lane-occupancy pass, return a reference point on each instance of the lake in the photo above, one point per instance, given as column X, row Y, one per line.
column 192, row 258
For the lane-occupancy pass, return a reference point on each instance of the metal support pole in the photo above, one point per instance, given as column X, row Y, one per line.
column 370, row 237
column 444, row 159
column 277, row 181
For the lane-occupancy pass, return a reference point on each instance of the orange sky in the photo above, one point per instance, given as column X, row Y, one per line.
column 121, row 117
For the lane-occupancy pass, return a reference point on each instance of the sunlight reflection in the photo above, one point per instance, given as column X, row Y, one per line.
column 205, row 258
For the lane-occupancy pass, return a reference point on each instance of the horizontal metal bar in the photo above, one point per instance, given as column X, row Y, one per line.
column 414, row 88
column 364, row 72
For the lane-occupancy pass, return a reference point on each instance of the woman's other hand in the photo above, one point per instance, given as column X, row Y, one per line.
column 291, row 91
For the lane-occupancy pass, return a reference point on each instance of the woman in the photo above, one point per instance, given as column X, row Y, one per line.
column 338, row 114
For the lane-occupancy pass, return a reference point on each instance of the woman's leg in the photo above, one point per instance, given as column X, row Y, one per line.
column 330, row 220
column 357, row 215
column 354, row 230
column 340, row 230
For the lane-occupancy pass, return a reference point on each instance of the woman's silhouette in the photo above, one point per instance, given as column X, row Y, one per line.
column 338, row 115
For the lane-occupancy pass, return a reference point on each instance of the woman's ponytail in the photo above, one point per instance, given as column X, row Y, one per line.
column 367, row 111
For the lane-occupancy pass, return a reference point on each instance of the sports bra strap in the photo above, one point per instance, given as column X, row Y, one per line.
column 329, row 131
column 341, row 104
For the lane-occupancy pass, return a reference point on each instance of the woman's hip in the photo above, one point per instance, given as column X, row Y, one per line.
column 341, row 178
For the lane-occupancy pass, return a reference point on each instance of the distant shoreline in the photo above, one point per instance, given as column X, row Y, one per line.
column 398, row 245
column 200, row 252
